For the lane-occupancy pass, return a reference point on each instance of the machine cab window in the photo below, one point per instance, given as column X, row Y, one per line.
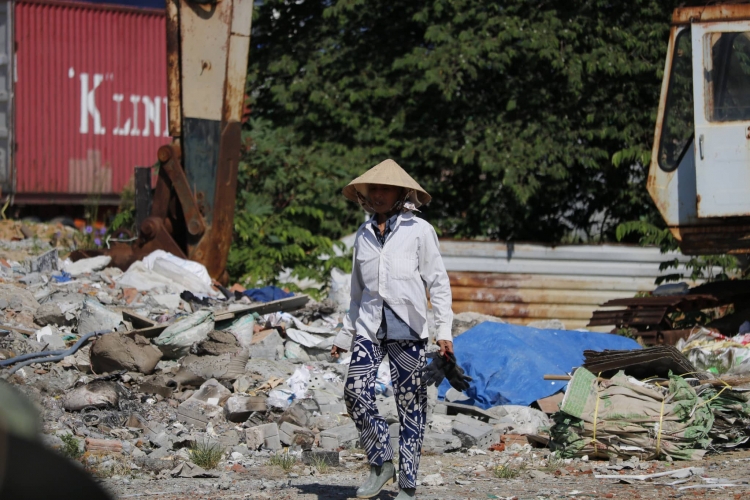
column 677, row 126
column 728, row 77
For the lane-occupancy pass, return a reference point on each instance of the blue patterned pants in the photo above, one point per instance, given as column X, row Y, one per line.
column 407, row 359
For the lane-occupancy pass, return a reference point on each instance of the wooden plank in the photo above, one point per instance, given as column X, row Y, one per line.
column 283, row 305
column 149, row 333
column 137, row 320
column 17, row 329
column 551, row 404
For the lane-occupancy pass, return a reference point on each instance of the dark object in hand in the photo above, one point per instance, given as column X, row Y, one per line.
column 443, row 367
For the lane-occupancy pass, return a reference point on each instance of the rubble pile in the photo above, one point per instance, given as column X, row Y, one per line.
column 153, row 362
column 146, row 371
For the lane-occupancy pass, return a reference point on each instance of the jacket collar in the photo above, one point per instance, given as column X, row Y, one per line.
column 403, row 217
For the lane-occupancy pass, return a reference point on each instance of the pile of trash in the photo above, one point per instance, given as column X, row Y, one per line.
column 713, row 352
column 656, row 406
column 625, row 417
column 151, row 361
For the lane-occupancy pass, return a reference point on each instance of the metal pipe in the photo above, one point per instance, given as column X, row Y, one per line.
column 49, row 356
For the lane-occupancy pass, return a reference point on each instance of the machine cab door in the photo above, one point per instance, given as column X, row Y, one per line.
column 721, row 84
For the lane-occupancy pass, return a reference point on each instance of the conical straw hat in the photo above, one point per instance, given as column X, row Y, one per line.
column 388, row 173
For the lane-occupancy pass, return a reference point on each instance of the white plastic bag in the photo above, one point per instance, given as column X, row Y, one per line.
column 176, row 340
column 280, row 398
column 299, row 381
column 142, row 278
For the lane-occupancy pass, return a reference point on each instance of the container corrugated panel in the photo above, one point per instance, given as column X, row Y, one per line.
column 6, row 96
column 90, row 98
column 524, row 283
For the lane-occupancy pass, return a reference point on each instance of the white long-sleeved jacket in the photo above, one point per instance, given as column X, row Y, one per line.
column 398, row 273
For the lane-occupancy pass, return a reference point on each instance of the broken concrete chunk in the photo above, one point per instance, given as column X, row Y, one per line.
column 216, row 344
column 192, row 414
column 239, row 408
column 254, row 438
column 440, row 443
column 97, row 394
column 270, row 433
column 196, row 369
column 190, row 470
column 157, row 384
column 476, row 434
column 31, row 279
column 345, row 436
column 18, row 298
column 267, row 344
column 87, row 266
column 95, row 317
column 49, row 314
column 433, row 480
column 47, row 262
column 291, row 434
column 211, row 393
column 120, row 352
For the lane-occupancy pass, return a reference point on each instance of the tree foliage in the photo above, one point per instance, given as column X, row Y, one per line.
column 524, row 120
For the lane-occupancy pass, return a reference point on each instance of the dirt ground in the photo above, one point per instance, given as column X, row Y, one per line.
column 464, row 477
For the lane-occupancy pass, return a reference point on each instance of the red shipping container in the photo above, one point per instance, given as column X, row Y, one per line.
column 90, row 99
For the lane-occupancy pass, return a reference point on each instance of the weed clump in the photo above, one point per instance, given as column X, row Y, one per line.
column 206, row 455
column 71, row 447
column 283, row 460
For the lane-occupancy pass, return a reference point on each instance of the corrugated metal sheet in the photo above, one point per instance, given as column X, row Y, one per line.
column 90, row 98
column 524, row 283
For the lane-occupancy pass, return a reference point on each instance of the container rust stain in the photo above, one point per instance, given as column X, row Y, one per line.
column 722, row 12
column 91, row 97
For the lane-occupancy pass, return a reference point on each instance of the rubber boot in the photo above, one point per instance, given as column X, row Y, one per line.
column 380, row 475
column 406, row 494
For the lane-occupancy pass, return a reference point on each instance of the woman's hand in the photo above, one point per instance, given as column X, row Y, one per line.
column 445, row 346
column 336, row 351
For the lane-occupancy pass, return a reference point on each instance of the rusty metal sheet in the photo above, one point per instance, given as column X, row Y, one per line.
column 730, row 235
column 653, row 316
column 205, row 45
column 705, row 13
column 625, row 285
column 174, row 94
column 239, row 51
column 680, row 302
column 213, row 249
column 532, row 295
column 242, row 17
column 529, row 311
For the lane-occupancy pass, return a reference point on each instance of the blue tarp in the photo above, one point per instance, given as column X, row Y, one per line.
column 267, row 294
column 508, row 362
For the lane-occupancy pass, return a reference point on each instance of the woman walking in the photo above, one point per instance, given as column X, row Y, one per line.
column 395, row 256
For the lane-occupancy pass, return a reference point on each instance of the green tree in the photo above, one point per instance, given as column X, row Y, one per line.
column 509, row 113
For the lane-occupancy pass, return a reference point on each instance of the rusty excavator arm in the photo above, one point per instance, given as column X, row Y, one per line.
column 190, row 213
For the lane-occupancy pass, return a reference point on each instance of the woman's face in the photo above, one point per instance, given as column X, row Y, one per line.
column 382, row 197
